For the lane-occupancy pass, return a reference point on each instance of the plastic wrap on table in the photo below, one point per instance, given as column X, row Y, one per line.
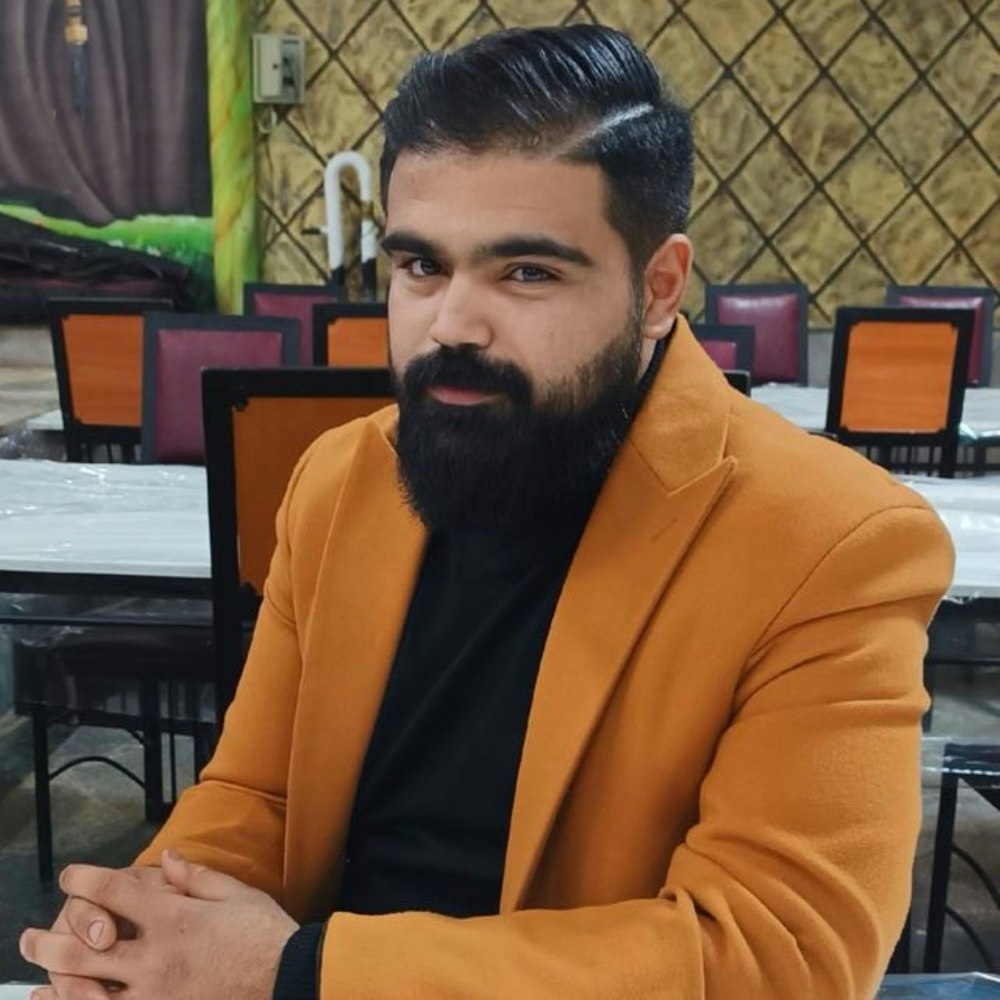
column 970, row 510
column 967, row 986
column 131, row 520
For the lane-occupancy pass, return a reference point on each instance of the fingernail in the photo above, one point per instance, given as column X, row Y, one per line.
column 94, row 931
column 172, row 854
column 23, row 946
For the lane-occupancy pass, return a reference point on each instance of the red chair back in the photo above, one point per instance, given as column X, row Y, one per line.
column 778, row 314
column 981, row 301
column 176, row 349
column 290, row 301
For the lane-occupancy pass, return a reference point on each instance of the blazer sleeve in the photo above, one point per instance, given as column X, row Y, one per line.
column 794, row 882
column 233, row 820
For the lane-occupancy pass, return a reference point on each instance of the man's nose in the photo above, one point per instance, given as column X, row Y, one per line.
column 460, row 318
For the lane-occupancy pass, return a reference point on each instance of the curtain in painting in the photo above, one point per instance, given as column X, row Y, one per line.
column 111, row 129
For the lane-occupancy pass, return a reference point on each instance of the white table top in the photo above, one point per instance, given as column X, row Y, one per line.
column 970, row 510
column 805, row 406
column 51, row 421
column 152, row 520
column 12, row 992
column 133, row 520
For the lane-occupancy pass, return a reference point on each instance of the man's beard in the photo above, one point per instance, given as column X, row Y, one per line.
column 514, row 466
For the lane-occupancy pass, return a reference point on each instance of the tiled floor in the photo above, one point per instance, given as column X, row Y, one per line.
column 99, row 818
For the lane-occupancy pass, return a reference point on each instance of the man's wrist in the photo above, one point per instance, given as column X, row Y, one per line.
column 298, row 969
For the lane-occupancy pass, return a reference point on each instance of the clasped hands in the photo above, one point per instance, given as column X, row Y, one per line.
column 179, row 932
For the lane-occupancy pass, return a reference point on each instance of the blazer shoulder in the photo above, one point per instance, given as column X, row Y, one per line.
column 810, row 474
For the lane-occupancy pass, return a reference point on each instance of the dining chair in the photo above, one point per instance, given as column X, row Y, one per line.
column 144, row 669
column 897, row 384
column 978, row 767
column 351, row 335
column 981, row 300
column 779, row 315
column 177, row 347
column 729, row 346
column 258, row 422
column 262, row 298
column 97, row 349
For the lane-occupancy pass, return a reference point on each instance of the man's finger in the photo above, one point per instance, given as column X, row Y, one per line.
column 91, row 924
column 75, row 988
column 198, row 881
column 65, row 954
column 119, row 892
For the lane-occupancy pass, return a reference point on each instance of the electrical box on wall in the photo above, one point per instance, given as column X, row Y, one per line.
column 279, row 63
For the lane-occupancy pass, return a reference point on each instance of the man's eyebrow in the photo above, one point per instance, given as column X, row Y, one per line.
column 532, row 246
column 403, row 241
column 519, row 245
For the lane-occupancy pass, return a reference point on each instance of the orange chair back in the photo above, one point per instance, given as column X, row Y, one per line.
column 357, row 342
column 269, row 437
column 899, row 376
column 104, row 365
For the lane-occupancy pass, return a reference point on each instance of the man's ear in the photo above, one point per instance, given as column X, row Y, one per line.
column 664, row 283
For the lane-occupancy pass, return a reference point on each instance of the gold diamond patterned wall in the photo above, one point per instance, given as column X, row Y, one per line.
column 842, row 143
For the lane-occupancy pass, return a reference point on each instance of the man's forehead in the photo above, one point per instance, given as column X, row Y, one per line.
column 490, row 194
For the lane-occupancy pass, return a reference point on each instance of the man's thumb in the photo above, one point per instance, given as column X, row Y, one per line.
column 197, row 881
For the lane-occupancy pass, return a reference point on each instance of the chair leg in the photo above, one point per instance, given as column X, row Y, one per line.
column 43, row 801
column 204, row 740
column 152, row 751
column 940, row 871
column 930, row 677
column 899, row 964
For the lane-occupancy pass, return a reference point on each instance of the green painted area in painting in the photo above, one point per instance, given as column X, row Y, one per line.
column 188, row 239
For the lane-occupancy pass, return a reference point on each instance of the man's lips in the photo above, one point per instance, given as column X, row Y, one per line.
column 454, row 396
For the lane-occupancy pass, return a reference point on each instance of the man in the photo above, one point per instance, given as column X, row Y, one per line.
column 587, row 677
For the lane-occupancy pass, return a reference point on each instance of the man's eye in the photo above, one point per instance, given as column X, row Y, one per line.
column 421, row 267
column 531, row 275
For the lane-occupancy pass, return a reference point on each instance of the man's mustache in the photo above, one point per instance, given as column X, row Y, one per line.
column 465, row 368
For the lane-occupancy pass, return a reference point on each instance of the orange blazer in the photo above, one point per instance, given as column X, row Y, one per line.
column 719, row 794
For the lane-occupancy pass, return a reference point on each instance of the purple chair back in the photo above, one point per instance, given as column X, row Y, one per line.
column 176, row 350
column 778, row 315
column 290, row 301
column 722, row 352
column 980, row 307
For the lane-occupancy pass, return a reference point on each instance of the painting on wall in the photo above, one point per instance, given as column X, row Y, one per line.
column 104, row 125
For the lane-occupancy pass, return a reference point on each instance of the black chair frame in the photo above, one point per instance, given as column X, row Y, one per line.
column 234, row 602
column 945, row 439
column 738, row 380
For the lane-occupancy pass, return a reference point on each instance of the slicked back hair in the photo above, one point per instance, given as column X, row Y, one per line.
column 581, row 93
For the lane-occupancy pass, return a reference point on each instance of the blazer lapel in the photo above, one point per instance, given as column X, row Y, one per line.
column 646, row 517
column 372, row 558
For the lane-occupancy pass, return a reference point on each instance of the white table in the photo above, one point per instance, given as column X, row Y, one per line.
column 970, row 510
column 14, row 992
column 50, row 422
column 805, row 406
column 151, row 521
column 116, row 520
